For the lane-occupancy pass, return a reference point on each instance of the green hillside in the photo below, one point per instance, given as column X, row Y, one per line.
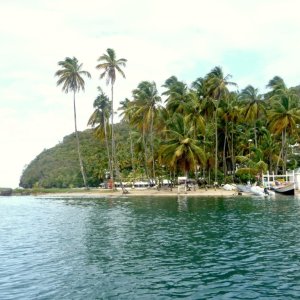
column 59, row 166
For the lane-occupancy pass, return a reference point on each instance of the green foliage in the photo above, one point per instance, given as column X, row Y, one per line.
column 208, row 129
column 246, row 174
column 59, row 166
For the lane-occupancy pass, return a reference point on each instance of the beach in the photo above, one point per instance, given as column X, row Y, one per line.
column 96, row 192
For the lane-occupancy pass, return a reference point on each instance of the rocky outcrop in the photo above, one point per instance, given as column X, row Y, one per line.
column 6, row 191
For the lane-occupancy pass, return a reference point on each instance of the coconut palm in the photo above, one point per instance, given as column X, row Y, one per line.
column 199, row 86
column 146, row 100
column 284, row 117
column 127, row 112
column 177, row 95
column 217, row 88
column 276, row 84
column 181, row 151
column 70, row 77
column 270, row 149
column 100, row 118
column 254, row 107
column 228, row 112
column 194, row 114
column 110, row 66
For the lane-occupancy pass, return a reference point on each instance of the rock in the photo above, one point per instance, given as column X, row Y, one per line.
column 6, row 191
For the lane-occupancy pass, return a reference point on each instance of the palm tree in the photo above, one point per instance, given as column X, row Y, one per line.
column 199, row 86
column 217, row 84
column 284, row 117
column 145, row 101
column 71, row 81
column 276, row 84
column 254, row 106
column 181, row 151
column 100, row 117
column 127, row 113
column 110, row 66
column 177, row 95
column 270, row 149
column 194, row 114
column 228, row 113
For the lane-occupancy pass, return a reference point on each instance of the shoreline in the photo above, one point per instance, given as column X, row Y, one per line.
column 100, row 193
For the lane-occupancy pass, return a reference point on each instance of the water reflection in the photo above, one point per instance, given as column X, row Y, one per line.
column 150, row 248
column 182, row 203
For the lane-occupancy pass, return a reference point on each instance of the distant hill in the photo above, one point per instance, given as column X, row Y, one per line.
column 59, row 166
column 297, row 90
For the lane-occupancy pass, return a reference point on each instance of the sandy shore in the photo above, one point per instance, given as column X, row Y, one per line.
column 144, row 192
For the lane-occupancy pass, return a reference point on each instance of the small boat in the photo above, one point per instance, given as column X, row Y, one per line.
column 285, row 189
column 254, row 190
column 244, row 188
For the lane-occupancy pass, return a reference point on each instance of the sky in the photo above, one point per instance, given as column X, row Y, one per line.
column 251, row 40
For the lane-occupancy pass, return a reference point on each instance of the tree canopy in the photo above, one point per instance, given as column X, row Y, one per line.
column 208, row 129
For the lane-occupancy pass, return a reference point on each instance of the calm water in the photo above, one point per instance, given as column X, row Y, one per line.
column 149, row 248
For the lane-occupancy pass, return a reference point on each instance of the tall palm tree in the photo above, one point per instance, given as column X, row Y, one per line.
column 100, row 118
column 127, row 113
column 270, row 149
column 146, row 99
column 284, row 117
column 217, row 89
column 70, row 77
column 254, row 107
column 227, row 114
column 110, row 66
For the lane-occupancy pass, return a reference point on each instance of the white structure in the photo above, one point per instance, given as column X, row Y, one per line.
column 182, row 180
column 292, row 176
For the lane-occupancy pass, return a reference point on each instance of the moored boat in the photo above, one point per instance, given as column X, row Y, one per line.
column 254, row 190
column 285, row 189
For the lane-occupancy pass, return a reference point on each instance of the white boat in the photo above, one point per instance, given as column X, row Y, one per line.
column 255, row 190
column 283, row 184
column 285, row 189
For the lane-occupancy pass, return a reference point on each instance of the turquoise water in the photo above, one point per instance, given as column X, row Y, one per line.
column 149, row 248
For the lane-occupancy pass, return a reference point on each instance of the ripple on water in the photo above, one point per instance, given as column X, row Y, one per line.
column 144, row 248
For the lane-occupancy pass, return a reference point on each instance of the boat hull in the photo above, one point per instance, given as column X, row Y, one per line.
column 285, row 190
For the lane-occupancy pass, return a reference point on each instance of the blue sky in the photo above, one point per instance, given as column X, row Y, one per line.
column 252, row 40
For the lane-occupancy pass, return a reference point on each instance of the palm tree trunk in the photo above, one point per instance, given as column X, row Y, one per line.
column 284, row 151
column 113, row 157
column 107, row 147
column 205, row 166
column 78, row 145
column 280, row 154
column 131, row 150
column 118, row 175
column 146, row 156
column 152, row 147
column 232, row 155
column 255, row 135
column 224, row 152
column 216, row 145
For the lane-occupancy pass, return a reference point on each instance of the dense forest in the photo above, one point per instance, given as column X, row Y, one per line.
column 209, row 130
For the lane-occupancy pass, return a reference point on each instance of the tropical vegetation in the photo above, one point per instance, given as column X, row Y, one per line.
column 208, row 130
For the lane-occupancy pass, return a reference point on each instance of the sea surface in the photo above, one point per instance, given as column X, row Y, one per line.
column 150, row 248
